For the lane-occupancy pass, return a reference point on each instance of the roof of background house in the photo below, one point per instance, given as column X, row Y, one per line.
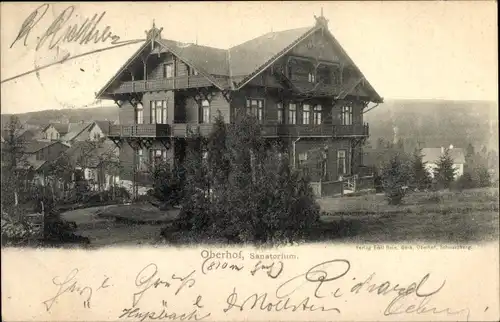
column 432, row 155
column 104, row 126
column 74, row 130
column 240, row 63
column 62, row 128
column 95, row 152
column 35, row 146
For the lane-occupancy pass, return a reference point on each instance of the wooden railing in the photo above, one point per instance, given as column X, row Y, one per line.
column 140, row 130
column 162, row 84
column 268, row 130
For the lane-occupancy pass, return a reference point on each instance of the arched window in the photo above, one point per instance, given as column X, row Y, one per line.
column 139, row 114
column 205, row 111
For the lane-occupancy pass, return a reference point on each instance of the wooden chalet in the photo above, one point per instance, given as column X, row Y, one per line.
column 300, row 83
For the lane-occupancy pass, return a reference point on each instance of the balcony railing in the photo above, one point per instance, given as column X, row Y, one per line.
column 311, row 130
column 283, row 130
column 140, row 130
column 162, row 84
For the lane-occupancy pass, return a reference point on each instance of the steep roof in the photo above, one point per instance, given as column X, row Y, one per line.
column 74, row 130
column 248, row 57
column 104, row 126
column 94, row 152
column 234, row 67
column 209, row 59
column 35, row 146
column 62, row 128
column 432, row 155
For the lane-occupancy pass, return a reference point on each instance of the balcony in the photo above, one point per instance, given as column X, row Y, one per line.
column 283, row 130
column 180, row 82
column 140, row 130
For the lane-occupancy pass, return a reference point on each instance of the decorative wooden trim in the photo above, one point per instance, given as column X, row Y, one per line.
column 227, row 96
column 166, row 143
column 118, row 102
column 202, row 94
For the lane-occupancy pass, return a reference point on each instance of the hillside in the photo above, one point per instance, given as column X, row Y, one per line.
column 109, row 113
column 435, row 123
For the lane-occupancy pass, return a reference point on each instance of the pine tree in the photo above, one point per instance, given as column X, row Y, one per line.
column 444, row 173
column 421, row 178
column 395, row 178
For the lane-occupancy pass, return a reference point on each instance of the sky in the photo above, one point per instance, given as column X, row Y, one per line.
column 414, row 49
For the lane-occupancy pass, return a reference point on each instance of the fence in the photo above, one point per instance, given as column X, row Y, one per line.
column 341, row 187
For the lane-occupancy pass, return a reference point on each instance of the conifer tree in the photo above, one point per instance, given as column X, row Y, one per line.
column 444, row 173
column 421, row 178
column 395, row 178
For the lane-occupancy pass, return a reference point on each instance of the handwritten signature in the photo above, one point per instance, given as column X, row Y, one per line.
column 82, row 34
column 71, row 285
column 60, row 31
column 147, row 278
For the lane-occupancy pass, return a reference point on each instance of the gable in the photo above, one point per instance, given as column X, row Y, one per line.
column 206, row 60
column 318, row 46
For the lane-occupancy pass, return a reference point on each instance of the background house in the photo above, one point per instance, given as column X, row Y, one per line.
column 96, row 162
column 54, row 131
column 83, row 131
column 432, row 155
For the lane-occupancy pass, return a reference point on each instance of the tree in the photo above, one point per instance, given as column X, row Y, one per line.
column 445, row 172
column 396, row 176
column 244, row 190
column 421, row 178
column 13, row 162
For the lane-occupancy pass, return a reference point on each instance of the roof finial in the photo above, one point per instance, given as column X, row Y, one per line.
column 321, row 21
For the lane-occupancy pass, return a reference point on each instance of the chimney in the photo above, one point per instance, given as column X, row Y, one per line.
column 442, row 150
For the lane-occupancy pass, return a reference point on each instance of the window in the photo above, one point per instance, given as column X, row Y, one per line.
column 302, row 158
column 139, row 114
column 311, row 78
column 346, row 115
column 292, row 113
column 306, row 113
column 336, row 74
column 140, row 158
column 281, row 113
column 341, row 162
column 255, row 107
column 205, row 111
column 317, row 114
column 157, row 156
column 168, row 70
column 159, row 112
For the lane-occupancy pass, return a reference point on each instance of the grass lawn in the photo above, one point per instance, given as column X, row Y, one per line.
column 468, row 216
column 451, row 216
